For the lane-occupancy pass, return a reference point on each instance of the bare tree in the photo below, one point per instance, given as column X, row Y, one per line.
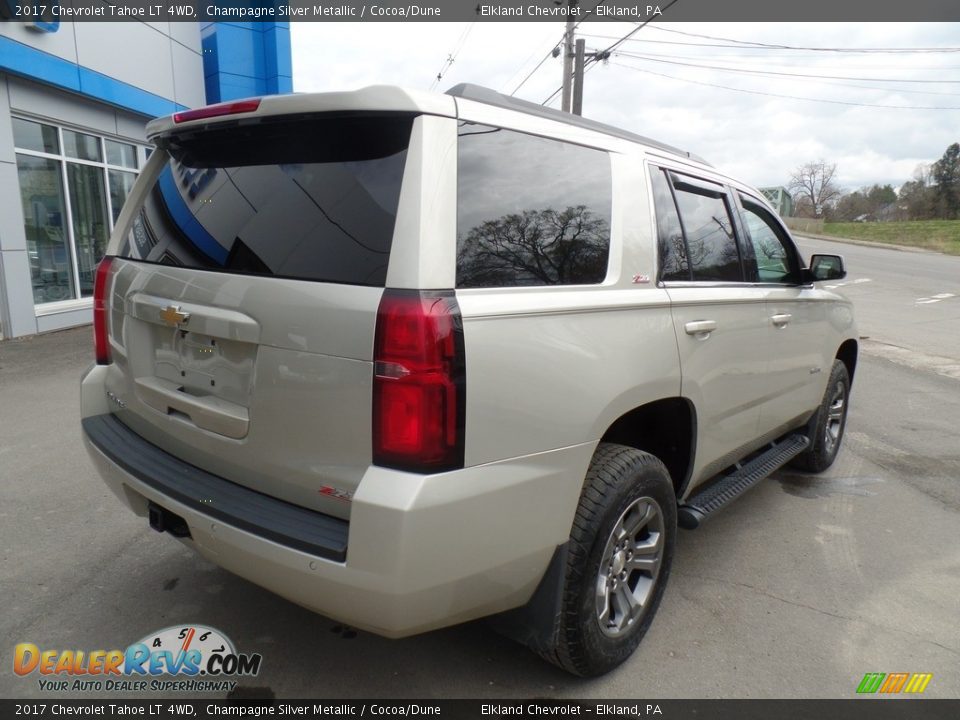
column 535, row 247
column 814, row 188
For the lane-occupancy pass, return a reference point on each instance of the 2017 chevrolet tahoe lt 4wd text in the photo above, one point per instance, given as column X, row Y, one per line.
column 411, row 359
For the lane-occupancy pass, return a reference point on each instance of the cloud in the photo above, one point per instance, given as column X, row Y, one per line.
column 745, row 131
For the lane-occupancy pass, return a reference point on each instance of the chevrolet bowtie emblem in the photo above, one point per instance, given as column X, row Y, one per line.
column 173, row 315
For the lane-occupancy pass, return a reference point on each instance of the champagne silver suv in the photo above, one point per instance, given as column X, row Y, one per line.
column 411, row 359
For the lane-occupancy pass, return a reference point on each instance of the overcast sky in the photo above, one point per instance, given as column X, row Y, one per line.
column 754, row 136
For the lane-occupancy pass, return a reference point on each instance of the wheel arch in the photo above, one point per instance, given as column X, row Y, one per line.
column 666, row 428
column 847, row 354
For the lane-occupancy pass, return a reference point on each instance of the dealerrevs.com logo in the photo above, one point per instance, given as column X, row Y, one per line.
column 198, row 658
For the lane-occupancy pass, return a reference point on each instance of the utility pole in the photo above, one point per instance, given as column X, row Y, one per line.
column 568, row 57
column 578, row 64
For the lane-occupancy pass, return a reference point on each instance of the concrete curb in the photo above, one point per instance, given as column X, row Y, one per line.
column 867, row 243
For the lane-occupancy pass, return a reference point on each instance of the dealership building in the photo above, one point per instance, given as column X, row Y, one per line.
column 74, row 99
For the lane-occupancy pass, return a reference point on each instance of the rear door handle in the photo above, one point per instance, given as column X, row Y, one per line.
column 780, row 320
column 700, row 327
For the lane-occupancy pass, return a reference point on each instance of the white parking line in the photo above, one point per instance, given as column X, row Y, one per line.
column 934, row 298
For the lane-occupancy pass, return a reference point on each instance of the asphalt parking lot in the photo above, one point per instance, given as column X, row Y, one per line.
column 796, row 590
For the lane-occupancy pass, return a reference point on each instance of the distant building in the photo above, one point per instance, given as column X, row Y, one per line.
column 780, row 199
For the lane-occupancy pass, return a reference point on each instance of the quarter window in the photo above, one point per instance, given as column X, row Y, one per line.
column 530, row 210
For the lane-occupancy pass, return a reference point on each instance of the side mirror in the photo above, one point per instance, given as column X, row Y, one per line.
column 827, row 267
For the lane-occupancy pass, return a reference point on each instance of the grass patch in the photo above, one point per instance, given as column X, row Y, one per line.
column 940, row 235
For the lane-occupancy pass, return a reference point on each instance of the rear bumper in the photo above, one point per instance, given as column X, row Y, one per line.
column 419, row 552
column 286, row 524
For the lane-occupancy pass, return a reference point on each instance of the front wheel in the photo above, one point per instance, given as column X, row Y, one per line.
column 620, row 552
column 826, row 427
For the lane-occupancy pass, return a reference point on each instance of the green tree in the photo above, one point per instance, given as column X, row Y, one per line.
column 946, row 176
column 872, row 202
column 850, row 207
column 880, row 196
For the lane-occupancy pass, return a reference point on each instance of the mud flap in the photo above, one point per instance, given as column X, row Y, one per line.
column 536, row 624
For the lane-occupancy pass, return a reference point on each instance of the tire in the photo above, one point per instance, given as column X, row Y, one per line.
column 826, row 427
column 611, row 590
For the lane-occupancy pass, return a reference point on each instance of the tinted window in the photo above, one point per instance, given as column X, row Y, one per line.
column 708, row 227
column 313, row 198
column 530, row 211
column 771, row 261
column 671, row 247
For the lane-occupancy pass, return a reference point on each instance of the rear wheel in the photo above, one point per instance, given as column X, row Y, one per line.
column 826, row 427
column 620, row 552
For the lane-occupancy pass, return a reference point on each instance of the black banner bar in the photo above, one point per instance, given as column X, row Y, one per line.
column 203, row 709
column 41, row 11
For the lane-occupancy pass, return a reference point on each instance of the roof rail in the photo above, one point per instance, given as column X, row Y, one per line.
column 478, row 93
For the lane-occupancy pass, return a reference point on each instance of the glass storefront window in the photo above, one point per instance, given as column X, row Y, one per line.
column 48, row 246
column 81, row 146
column 120, row 185
column 71, row 196
column 34, row 136
column 122, row 154
column 88, row 203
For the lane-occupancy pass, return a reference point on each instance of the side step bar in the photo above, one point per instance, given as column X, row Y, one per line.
column 728, row 489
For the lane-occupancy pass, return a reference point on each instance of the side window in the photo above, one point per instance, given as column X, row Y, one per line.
column 530, row 210
column 671, row 248
column 708, row 226
column 775, row 263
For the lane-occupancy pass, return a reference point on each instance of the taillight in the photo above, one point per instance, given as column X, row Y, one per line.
column 101, row 341
column 419, row 382
column 228, row 108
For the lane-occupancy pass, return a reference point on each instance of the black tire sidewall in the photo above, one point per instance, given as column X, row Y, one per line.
column 820, row 456
column 648, row 478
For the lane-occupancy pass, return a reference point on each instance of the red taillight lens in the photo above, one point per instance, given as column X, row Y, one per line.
column 419, row 382
column 101, row 341
column 230, row 108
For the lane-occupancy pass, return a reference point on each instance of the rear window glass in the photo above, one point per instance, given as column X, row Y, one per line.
column 530, row 210
column 312, row 198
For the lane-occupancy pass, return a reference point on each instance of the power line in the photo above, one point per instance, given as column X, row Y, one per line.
column 451, row 57
column 523, row 65
column 775, row 46
column 778, row 95
column 556, row 92
column 610, row 49
column 790, row 61
column 747, row 46
column 530, row 74
column 639, row 27
column 781, row 74
column 550, row 51
column 833, row 83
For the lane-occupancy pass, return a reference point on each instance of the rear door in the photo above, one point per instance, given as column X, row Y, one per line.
column 245, row 297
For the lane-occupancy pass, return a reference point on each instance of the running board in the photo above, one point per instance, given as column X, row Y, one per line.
column 700, row 506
